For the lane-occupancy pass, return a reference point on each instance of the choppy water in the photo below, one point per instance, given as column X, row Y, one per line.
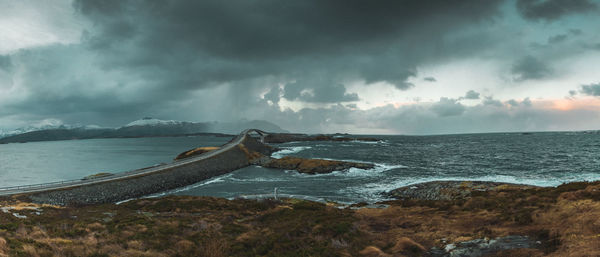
column 546, row 159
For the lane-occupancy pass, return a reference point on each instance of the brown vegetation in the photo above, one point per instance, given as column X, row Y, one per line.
column 313, row 166
column 196, row 151
column 564, row 219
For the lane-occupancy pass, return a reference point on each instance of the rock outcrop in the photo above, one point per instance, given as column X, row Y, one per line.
column 450, row 190
column 484, row 246
column 313, row 166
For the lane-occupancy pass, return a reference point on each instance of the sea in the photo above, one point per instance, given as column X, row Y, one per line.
column 542, row 159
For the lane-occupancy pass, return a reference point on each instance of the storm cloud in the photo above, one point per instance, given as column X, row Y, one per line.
column 471, row 95
column 591, row 89
column 549, row 10
column 530, row 67
column 324, row 63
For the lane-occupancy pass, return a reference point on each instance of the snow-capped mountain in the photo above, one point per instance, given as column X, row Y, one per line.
column 148, row 121
column 146, row 127
column 34, row 128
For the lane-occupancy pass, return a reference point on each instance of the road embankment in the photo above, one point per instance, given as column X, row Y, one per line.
column 227, row 161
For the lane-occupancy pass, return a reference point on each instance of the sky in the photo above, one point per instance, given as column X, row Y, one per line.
column 368, row 67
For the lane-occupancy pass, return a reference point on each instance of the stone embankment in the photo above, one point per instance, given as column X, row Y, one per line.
column 235, row 158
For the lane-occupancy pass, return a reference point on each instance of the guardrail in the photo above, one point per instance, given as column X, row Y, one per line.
column 40, row 185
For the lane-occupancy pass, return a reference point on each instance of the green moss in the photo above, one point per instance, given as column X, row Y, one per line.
column 9, row 226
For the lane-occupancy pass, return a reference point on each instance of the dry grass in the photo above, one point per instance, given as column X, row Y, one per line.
column 250, row 155
column 196, row 151
column 564, row 219
column 3, row 247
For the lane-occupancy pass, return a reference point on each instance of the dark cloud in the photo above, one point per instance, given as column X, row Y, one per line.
column 550, row 10
column 195, row 42
column 237, row 59
column 512, row 102
column 593, row 46
column 530, row 67
column 572, row 93
column 575, row 32
column 490, row 101
column 471, row 95
column 318, row 92
column 5, row 62
column 448, row 107
column 557, row 39
column 149, row 58
column 591, row 89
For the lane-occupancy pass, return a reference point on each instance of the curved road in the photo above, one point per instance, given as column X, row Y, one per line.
column 6, row 191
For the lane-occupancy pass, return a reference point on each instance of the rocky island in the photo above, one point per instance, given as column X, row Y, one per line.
column 313, row 166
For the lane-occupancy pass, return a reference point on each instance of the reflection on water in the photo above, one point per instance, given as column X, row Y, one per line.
column 41, row 162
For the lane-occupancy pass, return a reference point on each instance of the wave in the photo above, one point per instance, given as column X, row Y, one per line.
column 377, row 170
column 374, row 190
column 260, row 179
column 370, row 142
column 186, row 188
column 289, row 150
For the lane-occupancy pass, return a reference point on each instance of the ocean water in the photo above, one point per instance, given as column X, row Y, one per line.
column 545, row 159
column 41, row 162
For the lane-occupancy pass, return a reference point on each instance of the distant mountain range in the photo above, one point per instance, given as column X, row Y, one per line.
column 147, row 127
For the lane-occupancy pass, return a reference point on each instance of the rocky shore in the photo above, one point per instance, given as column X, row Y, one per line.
column 451, row 190
column 313, row 166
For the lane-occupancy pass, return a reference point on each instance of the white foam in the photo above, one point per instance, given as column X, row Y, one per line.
column 289, row 150
column 377, row 170
column 259, row 179
column 370, row 142
column 375, row 189
column 186, row 188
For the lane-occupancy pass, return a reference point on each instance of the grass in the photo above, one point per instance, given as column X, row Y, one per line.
column 564, row 219
column 195, row 151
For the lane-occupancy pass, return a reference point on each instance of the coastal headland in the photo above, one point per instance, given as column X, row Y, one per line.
column 505, row 221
